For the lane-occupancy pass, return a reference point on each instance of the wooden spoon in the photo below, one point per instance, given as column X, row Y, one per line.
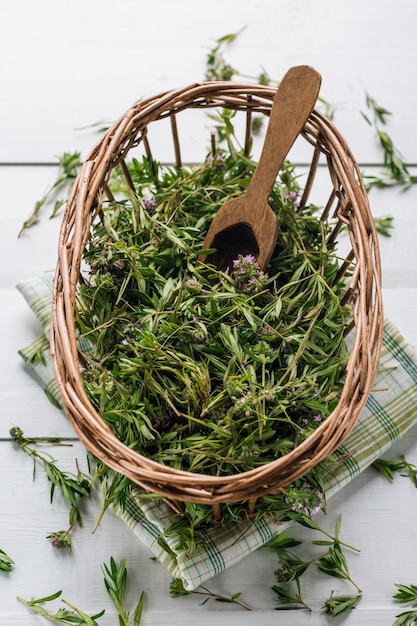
column 247, row 224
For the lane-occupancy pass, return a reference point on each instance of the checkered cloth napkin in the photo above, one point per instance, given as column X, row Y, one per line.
column 390, row 411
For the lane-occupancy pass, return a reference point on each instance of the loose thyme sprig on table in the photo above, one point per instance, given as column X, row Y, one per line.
column 333, row 563
column 70, row 615
column 115, row 582
column 6, row 562
column 397, row 172
column 406, row 594
column 72, row 486
column 203, row 370
column 69, row 164
column 177, row 590
column 389, row 467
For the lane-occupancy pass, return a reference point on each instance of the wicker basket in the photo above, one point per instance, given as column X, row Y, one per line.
column 347, row 202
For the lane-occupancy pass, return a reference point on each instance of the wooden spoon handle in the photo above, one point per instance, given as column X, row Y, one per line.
column 293, row 103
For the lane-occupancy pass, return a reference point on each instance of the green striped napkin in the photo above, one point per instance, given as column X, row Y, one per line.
column 390, row 411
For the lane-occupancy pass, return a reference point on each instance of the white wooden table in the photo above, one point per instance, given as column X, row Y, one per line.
column 68, row 65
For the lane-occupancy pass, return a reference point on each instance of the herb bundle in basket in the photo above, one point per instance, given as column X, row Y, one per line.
column 201, row 386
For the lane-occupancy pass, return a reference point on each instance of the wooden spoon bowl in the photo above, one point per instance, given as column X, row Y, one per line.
column 247, row 224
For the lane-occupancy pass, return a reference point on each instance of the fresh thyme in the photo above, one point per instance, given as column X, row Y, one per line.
column 62, row 538
column 73, row 487
column 406, row 594
column 291, row 567
column 70, row 615
column 69, row 164
column 177, row 590
column 203, row 370
column 290, row 597
column 6, row 562
column 218, row 68
column 115, row 581
column 337, row 604
column 396, row 168
column 389, row 467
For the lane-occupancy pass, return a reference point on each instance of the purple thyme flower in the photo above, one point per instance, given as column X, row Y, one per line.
column 248, row 274
column 150, row 204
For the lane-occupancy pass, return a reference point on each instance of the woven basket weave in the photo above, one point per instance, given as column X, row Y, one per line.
column 347, row 202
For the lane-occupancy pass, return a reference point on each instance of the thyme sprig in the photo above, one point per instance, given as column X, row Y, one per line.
column 397, row 172
column 218, row 68
column 62, row 538
column 6, row 562
column 308, row 522
column 70, row 615
column 341, row 603
column 177, row 590
column 389, row 467
column 290, row 597
column 406, row 594
column 73, row 487
column 69, row 164
column 291, row 567
column 209, row 371
column 115, row 581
